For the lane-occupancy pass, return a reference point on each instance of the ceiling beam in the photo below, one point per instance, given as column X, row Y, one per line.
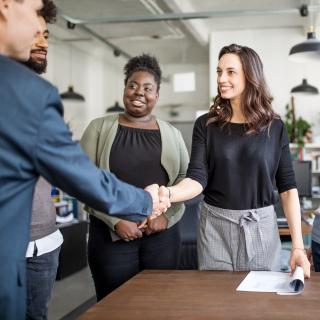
column 116, row 50
column 196, row 27
column 186, row 15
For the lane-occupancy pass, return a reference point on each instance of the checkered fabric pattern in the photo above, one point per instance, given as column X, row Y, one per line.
column 238, row 240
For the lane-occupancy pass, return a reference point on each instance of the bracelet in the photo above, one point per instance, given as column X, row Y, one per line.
column 169, row 192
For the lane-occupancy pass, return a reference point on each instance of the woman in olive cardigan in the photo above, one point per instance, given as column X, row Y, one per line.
column 140, row 150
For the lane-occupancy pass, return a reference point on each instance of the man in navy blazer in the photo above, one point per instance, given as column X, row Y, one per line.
column 35, row 141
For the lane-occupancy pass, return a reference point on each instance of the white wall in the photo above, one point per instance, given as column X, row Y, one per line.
column 98, row 76
column 273, row 46
column 189, row 102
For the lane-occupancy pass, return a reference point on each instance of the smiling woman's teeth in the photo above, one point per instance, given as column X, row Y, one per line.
column 137, row 103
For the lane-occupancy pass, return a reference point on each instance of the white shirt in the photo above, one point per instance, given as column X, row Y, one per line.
column 45, row 244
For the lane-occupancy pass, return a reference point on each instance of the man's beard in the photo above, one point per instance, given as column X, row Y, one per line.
column 38, row 67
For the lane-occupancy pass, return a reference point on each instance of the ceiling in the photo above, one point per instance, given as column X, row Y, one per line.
column 173, row 41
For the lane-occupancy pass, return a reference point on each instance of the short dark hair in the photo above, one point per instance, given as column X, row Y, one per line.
column 48, row 11
column 145, row 63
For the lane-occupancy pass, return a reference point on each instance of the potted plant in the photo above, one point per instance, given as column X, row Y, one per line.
column 297, row 128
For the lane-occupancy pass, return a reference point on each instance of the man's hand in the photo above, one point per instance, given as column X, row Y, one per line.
column 158, row 206
column 128, row 230
column 156, row 225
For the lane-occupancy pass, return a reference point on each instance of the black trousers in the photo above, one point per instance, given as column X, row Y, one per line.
column 315, row 248
column 113, row 263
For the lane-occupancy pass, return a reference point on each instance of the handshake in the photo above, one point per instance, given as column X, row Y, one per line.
column 154, row 223
column 160, row 199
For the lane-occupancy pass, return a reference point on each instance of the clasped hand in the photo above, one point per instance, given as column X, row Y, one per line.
column 160, row 200
column 155, row 222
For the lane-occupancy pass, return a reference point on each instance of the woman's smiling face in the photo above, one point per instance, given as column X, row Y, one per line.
column 140, row 94
column 230, row 77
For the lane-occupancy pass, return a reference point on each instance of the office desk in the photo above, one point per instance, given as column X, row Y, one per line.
column 73, row 254
column 193, row 295
column 305, row 228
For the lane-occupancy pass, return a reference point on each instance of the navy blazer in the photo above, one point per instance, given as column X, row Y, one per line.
column 34, row 140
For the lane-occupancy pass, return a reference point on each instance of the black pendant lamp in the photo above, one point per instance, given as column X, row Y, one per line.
column 70, row 94
column 305, row 89
column 115, row 108
column 306, row 51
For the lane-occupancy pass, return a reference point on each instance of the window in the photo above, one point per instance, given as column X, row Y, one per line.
column 184, row 82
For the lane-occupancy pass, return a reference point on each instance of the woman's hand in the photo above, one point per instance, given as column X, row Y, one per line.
column 156, row 225
column 159, row 207
column 128, row 230
column 299, row 258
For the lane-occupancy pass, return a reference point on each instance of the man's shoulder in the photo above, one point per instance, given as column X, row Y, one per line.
column 26, row 91
column 21, row 75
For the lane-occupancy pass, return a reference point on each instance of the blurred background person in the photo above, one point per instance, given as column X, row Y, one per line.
column 140, row 150
column 315, row 243
column 45, row 238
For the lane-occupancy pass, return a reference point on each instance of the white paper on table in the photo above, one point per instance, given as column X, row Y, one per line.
column 268, row 281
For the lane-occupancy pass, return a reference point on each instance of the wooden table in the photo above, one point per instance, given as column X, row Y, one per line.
column 192, row 295
column 306, row 229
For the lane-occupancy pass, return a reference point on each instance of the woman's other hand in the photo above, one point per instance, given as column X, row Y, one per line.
column 128, row 230
column 156, row 225
column 299, row 258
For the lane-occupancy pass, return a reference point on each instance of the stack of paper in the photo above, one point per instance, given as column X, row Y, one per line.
column 279, row 282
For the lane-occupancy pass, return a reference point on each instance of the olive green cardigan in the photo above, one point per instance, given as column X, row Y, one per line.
column 97, row 141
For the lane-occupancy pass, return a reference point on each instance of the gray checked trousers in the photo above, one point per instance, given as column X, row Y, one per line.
column 238, row 240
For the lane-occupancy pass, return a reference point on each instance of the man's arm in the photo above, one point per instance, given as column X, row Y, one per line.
column 63, row 163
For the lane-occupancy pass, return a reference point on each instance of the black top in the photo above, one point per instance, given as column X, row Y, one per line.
column 239, row 170
column 135, row 157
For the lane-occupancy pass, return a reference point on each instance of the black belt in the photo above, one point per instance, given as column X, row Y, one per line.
column 35, row 250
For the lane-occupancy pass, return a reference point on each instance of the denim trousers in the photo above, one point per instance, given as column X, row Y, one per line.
column 113, row 263
column 315, row 248
column 41, row 275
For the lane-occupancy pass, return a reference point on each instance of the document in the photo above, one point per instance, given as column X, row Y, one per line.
column 279, row 282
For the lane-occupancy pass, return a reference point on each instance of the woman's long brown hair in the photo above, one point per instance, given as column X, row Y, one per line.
column 256, row 99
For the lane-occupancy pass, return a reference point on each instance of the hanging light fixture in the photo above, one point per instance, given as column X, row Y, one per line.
column 308, row 50
column 305, row 89
column 115, row 108
column 70, row 94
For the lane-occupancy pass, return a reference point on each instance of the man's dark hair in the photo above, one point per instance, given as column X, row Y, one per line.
column 145, row 63
column 48, row 11
column 49, row 14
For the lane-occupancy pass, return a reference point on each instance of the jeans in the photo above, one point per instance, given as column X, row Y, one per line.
column 113, row 263
column 41, row 275
column 315, row 248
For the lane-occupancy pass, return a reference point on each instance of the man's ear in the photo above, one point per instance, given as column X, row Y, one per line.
column 4, row 8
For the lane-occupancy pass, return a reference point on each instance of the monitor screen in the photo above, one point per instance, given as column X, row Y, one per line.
column 303, row 174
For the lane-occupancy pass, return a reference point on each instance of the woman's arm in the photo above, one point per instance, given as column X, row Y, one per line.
column 291, row 207
column 184, row 190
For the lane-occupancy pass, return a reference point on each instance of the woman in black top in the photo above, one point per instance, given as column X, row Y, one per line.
column 139, row 149
column 239, row 148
